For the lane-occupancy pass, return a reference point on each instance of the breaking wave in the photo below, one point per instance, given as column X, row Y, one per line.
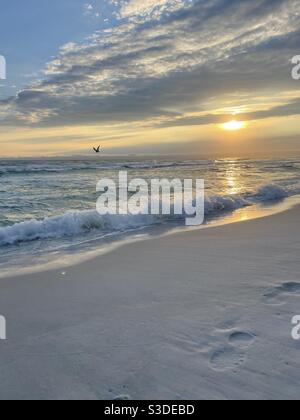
column 75, row 223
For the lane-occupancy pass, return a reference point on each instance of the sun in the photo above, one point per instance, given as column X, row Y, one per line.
column 233, row 125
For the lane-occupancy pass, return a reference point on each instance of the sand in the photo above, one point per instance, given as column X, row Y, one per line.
column 198, row 315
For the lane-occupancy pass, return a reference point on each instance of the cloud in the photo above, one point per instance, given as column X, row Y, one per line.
column 137, row 10
column 291, row 108
column 91, row 10
column 164, row 60
column 88, row 8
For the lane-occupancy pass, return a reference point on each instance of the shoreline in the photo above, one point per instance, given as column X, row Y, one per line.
column 242, row 215
column 201, row 315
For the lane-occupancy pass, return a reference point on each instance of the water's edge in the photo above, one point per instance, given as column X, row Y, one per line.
column 238, row 216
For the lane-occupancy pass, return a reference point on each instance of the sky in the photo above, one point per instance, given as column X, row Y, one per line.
column 149, row 76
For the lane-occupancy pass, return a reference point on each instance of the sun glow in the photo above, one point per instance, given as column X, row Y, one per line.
column 234, row 125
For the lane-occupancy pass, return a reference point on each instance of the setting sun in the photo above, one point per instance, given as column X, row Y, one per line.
column 233, row 125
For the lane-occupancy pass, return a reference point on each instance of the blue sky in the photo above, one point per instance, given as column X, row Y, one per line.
column 147, row 74
column 32, row 31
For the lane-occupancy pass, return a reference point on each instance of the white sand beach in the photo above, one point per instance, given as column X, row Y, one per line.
column 198, row 315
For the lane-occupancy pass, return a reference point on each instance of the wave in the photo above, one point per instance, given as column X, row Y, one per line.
column 74, row 223
column 156, row 164
column 63, row 167
column 272, row 192
column 68, row 224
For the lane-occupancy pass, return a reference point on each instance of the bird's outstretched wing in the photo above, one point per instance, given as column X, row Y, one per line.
column 97, row 150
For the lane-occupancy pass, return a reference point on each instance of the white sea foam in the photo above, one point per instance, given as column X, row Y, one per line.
column 68, row 224
column 75, row 223
column 272, row 192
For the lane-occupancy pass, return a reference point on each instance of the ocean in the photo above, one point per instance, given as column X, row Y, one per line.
column 48, row 207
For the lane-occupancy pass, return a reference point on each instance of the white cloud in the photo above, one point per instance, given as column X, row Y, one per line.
column 91, row 10
column 149, row 9
column 88, row 8
column 138, row 72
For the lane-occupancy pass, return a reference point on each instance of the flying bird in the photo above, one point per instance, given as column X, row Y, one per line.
column 97, row 150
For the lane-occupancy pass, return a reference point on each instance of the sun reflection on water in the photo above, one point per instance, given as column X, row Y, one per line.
column 232, row 180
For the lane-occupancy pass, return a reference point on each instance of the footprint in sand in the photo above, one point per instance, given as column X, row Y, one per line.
column 233, row 355
column 226, row 358
column 241, row 340
column 275, row 296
